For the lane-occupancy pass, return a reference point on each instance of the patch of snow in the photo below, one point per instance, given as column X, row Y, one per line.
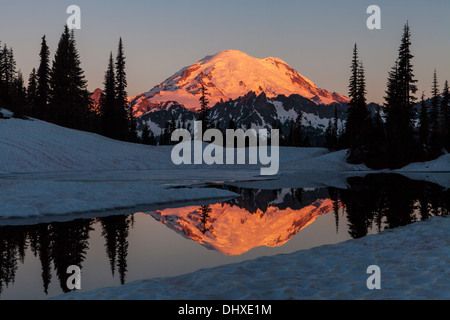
column 441, row 164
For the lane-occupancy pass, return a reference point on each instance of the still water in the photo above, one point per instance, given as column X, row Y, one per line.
column 117, row 249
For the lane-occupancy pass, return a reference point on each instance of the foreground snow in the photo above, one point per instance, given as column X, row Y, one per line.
column 30, row 198
column 37, row 146
column 441, row 164
column 413, row 262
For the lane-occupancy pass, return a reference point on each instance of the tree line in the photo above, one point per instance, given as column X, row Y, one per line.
column 57, row 91
column 397, row 137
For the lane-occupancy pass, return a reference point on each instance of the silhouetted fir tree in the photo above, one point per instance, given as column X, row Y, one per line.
column 297, row 132
column 204, row 109
column 332, row 138
column 40, row 244
column 173, row 127
column 2, row 84
column 43, row 82
column 424, row 204
column 402, row 143
column 360, row 204
column 232, row 124
column 13, row 245
column 147, row 136
column 205, row 210
column 435, row 124
column 166, row 134
column 7, row 77
column 115, row 230
column 133, row 131
column 334, row 197
column 290, row 139
column 424, row 128
column 400, row 199
column 358, row 124
column 32, row 93
column 329, row 138
column 122, row 248
column 69, row 98
column 108, row 102
column 18, row 96
column 3, row 77
column 124, row 118
column 377, row 143
column 69, row 246
column 445, row 116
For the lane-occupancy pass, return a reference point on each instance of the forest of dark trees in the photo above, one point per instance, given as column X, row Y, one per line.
column 57, row 91
column 401, row 137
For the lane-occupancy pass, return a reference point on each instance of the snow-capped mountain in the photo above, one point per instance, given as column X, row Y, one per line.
column 230, row 74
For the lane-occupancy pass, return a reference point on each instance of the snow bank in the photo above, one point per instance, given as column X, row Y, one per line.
column 37, row 146
column 441, row 164
column 24, row 199
column 413, row 261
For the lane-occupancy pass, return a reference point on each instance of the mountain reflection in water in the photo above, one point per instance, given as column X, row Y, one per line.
column 236, row 226
column 271, row 217
column 257, row 217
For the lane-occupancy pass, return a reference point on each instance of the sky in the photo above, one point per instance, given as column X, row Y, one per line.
column 160, row 37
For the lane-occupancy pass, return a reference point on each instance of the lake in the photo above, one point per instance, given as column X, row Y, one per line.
column 119, row 247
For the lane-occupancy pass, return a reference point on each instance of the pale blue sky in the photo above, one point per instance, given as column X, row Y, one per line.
column 160, row 37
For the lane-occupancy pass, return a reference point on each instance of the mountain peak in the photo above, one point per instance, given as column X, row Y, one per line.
column 230, row 74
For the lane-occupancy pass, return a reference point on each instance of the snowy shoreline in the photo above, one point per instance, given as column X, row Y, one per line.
column 46, row 170
column 413, row 261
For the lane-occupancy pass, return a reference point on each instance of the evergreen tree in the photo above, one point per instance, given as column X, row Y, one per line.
column 165, row 138
column 7, row 76
column 32, row 93
column 69, row 97
column 435, row 128
column 108, row 102
column 402, row 145
column 124, row 118
column 43, row 82
column 445, row 116
column 424, row 128
column 332, row 133
column 204, row 110
column 18, row 96
column 329, row 138
column 115, row 230
column 133, row 132
column 358, row 125
column 232, row 124
column 3, row 86
column 205, row 210
column 147, row 136
column 297, row 132
column 70, row 244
